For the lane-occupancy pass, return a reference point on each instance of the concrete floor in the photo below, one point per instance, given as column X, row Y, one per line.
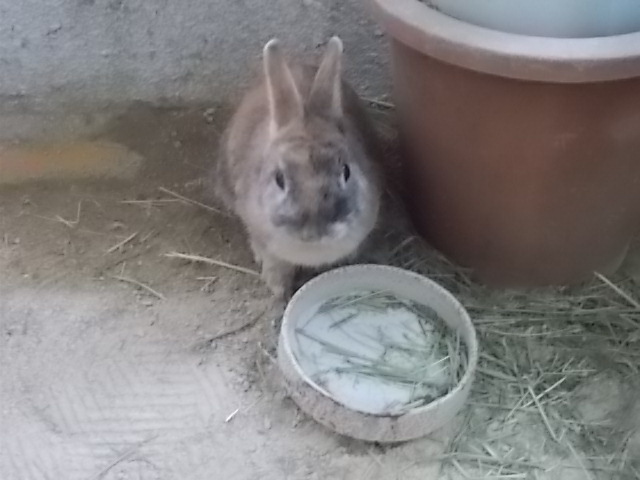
column 102, row 378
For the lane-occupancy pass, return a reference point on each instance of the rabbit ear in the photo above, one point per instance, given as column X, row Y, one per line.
column 326, row 92
column 285, row 102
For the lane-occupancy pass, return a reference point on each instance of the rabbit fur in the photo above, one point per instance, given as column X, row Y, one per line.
column 298, row 166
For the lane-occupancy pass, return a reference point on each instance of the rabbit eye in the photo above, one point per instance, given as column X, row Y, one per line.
column 279, row 178
column 346, row 172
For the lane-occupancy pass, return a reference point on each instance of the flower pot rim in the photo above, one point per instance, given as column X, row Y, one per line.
column 524, row 57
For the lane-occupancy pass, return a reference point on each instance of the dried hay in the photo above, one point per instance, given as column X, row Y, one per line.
column 539, row 350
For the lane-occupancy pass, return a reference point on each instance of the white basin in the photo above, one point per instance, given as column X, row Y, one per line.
column 334, row 408
column 547, row 18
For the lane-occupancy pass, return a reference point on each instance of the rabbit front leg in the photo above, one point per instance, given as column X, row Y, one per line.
column 257, row 250
column 278, row 275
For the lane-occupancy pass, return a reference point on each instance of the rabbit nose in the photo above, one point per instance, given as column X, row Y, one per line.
column 314, row 231
column 308, row 235
column 336, row 210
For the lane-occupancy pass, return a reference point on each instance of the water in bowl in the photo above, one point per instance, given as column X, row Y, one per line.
column 378, row 353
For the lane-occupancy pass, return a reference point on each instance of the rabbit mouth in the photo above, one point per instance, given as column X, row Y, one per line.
column 338, row 241
column 315, row 237
column 323, row 251
column 325, row 234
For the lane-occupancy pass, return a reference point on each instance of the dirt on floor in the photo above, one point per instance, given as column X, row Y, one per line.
column 120, row 362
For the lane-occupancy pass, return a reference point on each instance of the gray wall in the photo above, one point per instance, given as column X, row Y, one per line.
column 98, row 52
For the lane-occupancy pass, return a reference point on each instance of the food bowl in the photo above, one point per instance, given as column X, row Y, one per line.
column 355, row 408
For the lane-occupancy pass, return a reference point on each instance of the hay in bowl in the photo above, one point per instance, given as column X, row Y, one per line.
column 377, row 353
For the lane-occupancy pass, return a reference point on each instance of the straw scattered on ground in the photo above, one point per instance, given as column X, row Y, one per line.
column 558, row 383
column 212, row 261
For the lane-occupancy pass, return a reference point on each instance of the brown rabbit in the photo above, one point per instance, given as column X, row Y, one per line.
column 297, row 166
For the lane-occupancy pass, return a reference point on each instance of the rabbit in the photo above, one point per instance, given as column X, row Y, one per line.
column 298, row 166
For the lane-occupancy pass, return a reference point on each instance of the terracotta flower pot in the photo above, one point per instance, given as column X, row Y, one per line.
column 522, row 152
